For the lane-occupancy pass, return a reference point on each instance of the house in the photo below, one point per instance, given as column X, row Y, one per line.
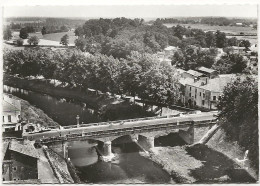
column 20, row 161
column 239, row 24
column 192, row 74
column 238, row 50
column 208, row 72
column 170, row 50
column 205, row 93
column 11, row 113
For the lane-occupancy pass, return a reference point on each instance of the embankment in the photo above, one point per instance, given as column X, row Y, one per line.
column 45, row 87
column 199, row 164
column 35, row 115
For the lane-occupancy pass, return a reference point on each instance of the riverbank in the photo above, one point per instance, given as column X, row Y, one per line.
column 108, row 107
column 199, row 164
column 45, row 87
column 35, row 115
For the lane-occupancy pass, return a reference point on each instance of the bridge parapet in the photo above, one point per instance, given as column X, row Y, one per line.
column 113, row 133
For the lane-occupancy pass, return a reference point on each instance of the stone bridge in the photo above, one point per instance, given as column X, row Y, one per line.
column 141, row 131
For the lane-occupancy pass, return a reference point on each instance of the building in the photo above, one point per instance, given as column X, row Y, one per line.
column 192, row 74
column 239, row 50
column 11, row 113
column 170, row 50
column 205, row 94
column 20, row 161
column 210, row 73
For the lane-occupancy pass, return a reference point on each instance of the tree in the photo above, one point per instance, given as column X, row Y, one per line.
column 7, row 33
column 233, row 63
column 239, row 115
column 64, row 40
column 210, row 39
column 44, row 31
column 232, row 41
column 23, row 33
column 19, row 42
column 220, row 39
column 33, row 40
column 245, row 43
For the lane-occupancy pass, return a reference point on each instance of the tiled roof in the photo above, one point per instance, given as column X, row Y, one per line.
column 26, row 148
column 208, row 70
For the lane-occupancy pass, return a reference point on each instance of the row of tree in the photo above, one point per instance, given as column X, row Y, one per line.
column 138, row 74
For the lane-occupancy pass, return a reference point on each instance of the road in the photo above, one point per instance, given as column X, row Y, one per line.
column 115, row 126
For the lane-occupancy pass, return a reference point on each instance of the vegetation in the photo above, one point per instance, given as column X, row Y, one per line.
column 231, row 63
column 33, row 40
column 139, row 74
column 19, row 42
column 239, row 115
column 7, row 33
column 64, row 40
column 23, row 33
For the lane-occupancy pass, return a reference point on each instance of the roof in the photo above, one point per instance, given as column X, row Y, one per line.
column 170, row 48
column 185, row 81
column 194, row 73
column 208, row 70
column 180, row 70
column 26, row 148
column 5, row 147
column 10, row 104
column 213, row 85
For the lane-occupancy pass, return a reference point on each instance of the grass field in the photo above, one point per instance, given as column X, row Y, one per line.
column 227, row 29
column 51, row 37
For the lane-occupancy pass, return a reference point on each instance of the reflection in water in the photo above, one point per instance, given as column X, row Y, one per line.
column 61, row 110
column 130, row 166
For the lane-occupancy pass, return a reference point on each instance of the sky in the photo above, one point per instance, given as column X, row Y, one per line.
column 139, row 11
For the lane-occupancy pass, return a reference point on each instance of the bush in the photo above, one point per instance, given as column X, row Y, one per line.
column 19, row 42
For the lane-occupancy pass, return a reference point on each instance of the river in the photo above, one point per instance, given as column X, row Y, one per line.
column 130, row 166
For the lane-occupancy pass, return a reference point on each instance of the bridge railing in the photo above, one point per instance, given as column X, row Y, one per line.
column 126, row 131
column 123, row 121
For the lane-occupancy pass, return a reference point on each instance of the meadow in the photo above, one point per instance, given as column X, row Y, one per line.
column 226, row 29
column 51, row 37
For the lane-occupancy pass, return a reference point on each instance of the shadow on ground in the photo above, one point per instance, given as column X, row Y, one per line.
column 216, row 167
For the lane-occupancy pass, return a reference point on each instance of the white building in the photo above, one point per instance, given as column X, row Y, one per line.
column 11, row 113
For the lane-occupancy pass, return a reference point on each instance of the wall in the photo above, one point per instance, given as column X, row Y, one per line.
column 20, row 167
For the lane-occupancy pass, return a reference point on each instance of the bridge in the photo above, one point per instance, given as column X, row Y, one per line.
column 141, row 130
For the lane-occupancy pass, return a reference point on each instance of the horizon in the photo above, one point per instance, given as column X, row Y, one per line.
column 133, row 11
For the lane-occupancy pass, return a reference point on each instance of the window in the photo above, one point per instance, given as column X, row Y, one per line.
column 203, row 102
column 195, row 90
column 219, row 98
column 190, row 94
column 190, row 88
column 3, row 119
column 9, row 118
column 203, row 95
column 214, row 98
column 195, row 96
column 200, row 93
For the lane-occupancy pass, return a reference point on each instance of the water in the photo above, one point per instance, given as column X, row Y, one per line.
column 61, row 110
column 130, row 167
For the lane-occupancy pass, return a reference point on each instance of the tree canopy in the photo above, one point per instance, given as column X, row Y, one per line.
column 239, row 115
